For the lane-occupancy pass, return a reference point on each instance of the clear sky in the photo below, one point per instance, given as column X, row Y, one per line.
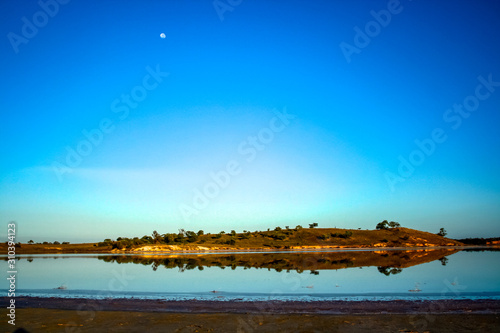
column 248, row 115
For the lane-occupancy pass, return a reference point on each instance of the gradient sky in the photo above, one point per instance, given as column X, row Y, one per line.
column 354, row 116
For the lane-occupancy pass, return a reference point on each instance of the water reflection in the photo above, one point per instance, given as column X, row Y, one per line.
column 387, row 262
column 325, row 275
column 388, row 270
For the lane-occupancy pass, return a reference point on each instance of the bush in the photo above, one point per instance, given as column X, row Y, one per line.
column 280, row 237
column 147, row 239
column 346, row 234
column 245, row 236
column 277, row 235
column 169, row 238
column 192, row 236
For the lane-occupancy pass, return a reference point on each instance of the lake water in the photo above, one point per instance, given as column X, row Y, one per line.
column 331, row 275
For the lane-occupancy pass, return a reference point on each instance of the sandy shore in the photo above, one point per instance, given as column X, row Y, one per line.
column 133, row 315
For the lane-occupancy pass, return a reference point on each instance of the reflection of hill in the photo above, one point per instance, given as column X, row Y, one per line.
column 290, row 261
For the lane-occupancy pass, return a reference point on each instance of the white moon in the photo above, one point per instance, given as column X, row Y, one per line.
column 162, row 35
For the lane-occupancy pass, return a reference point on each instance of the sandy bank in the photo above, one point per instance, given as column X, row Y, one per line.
column 76, row 315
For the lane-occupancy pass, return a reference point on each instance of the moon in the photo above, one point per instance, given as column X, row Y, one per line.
column 162, row 35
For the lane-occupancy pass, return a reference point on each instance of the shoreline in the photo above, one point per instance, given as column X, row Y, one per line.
column 77, row 315
column 305, row 249
column 443, row 306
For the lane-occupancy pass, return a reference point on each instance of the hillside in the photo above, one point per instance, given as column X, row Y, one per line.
column 297, row 238
column 304, row 239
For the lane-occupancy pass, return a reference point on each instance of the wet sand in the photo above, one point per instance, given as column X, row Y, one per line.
column 133, row 315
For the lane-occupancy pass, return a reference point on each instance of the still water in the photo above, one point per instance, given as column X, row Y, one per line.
column 332, row 275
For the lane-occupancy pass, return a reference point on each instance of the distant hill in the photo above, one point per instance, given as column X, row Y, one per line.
column 481, row 241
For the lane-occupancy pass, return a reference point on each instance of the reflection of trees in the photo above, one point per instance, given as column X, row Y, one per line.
column 443, row 260
column 389, row 270
column 491, row 249
column 388, row 262
column 155, row 266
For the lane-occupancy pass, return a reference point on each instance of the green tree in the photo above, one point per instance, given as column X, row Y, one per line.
column 312, row 225
column 382, row 225
column 192, row 236
column 393, row 224
column 442, row 232
column 156, row 237
column 200, row 233
column 169, row 238
column 30, row 241
column 180, row 238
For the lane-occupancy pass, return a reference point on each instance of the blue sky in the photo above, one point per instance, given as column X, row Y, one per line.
column 248, row 115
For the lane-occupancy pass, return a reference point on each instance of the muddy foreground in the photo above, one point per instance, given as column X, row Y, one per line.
column 114, row 315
